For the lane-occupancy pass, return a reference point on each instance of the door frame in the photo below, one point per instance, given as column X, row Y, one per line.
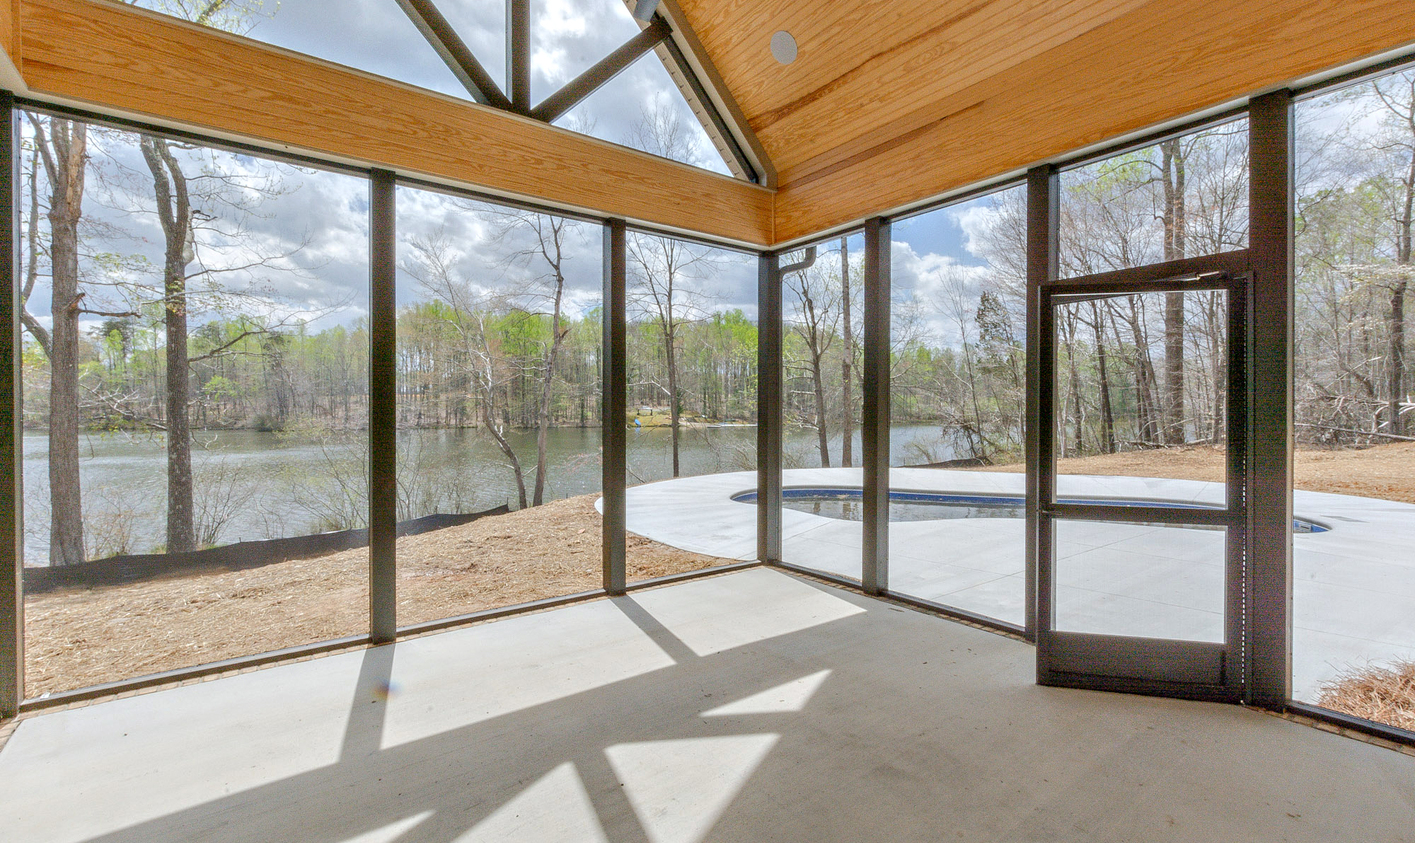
column 1189, row 669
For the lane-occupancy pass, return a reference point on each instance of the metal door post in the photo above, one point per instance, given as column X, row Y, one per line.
column 1270, row 338
column 1043, row 203
column 383, row 409
column 874, row 417
column 613, row 408
column 12, row 606
column 769, row 407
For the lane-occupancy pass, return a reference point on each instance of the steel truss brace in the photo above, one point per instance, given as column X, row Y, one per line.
column 483, row 89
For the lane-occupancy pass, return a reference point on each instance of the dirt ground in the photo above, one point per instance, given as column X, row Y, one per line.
column 1381, row 471
column 80, row 637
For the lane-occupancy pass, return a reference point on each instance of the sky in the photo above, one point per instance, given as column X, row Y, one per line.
column 306, row 231
column 567, row 37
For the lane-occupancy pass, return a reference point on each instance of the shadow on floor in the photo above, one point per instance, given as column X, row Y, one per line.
column 874, row 723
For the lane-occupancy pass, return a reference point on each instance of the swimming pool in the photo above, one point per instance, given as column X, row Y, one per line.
column 847, row 505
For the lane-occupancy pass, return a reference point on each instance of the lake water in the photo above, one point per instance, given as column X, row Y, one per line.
column 252, row 485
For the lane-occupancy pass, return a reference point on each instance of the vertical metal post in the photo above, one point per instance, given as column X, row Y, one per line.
column 615, row 388
column 12, row 606
column 769, row 407
column 518, row 54
column 1270, row 337
column 383, row 408
column 1043, row 212
column 874, row 416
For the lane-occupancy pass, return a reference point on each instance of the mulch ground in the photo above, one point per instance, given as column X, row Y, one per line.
column 80, row 637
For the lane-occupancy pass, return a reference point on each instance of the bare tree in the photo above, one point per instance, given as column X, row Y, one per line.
column 665, row 288
column 1176, row 219
column 815, row 318
column 62, row 146
column 1397, row 94
column 468, row 313
column 955, row 304
column 178, row 218
column 548, row 235
column 175, row 213
column 666, row 270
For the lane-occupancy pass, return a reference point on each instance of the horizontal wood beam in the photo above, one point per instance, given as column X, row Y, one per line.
column 1157, row 63
column 119, row 59
column 10, row 46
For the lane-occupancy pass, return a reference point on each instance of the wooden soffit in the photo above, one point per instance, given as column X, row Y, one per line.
column 123, row 60
column 891, row 102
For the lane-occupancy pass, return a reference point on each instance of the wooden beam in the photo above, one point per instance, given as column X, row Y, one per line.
column 120, row 59
column 10, row 78
column 1162, row 61
column 9, row 17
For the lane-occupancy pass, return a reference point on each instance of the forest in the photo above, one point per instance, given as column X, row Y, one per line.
column 172, row 289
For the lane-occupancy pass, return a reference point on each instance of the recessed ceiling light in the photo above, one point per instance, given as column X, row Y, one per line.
column 783, row 47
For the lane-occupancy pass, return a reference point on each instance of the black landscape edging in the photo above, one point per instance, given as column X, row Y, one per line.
column 119, row 570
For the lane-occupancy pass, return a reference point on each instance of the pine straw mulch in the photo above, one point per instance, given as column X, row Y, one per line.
column 1380, row 471
column 1386, row 695
column 80, row 637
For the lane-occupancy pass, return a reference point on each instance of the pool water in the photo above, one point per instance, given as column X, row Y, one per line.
column 848, row 505
column 851, row 509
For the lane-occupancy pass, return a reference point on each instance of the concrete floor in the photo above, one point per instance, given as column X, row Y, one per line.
column 1354, row 591
column 748, row 707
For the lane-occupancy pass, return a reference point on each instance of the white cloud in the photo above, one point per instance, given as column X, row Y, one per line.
column 933, row 293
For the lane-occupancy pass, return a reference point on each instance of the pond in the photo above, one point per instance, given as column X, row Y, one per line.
column 257, row 485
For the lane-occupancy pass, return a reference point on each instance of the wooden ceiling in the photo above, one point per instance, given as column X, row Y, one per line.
column 890, row 102
column 871, row 70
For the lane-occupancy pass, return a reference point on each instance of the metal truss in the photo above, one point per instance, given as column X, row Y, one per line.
column 656, row 32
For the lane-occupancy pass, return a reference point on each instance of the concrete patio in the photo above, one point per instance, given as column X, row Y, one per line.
column 1354, row 600
column 751, row 706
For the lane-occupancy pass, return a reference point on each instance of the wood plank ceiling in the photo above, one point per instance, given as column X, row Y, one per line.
column 872, row 70
column 892, row 101
column 889, row 103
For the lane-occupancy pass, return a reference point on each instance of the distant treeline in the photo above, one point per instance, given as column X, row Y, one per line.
column 245, row 376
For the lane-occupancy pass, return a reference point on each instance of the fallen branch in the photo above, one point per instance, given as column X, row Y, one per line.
column 1358, row 432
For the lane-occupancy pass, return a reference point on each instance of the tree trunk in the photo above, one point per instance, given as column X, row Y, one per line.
column 818, row 386
column 1175, row 246
column 64, row 157
column 1107, row 415
column 498, row 434
column 1075, row 375
column 975, row 436
column 175, row 213
column 671, row 360
column 1148, row 422
column 847, row 432
column 545, row 389
column 1396, row 386
column 1397, row 307
column 1174, row 433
